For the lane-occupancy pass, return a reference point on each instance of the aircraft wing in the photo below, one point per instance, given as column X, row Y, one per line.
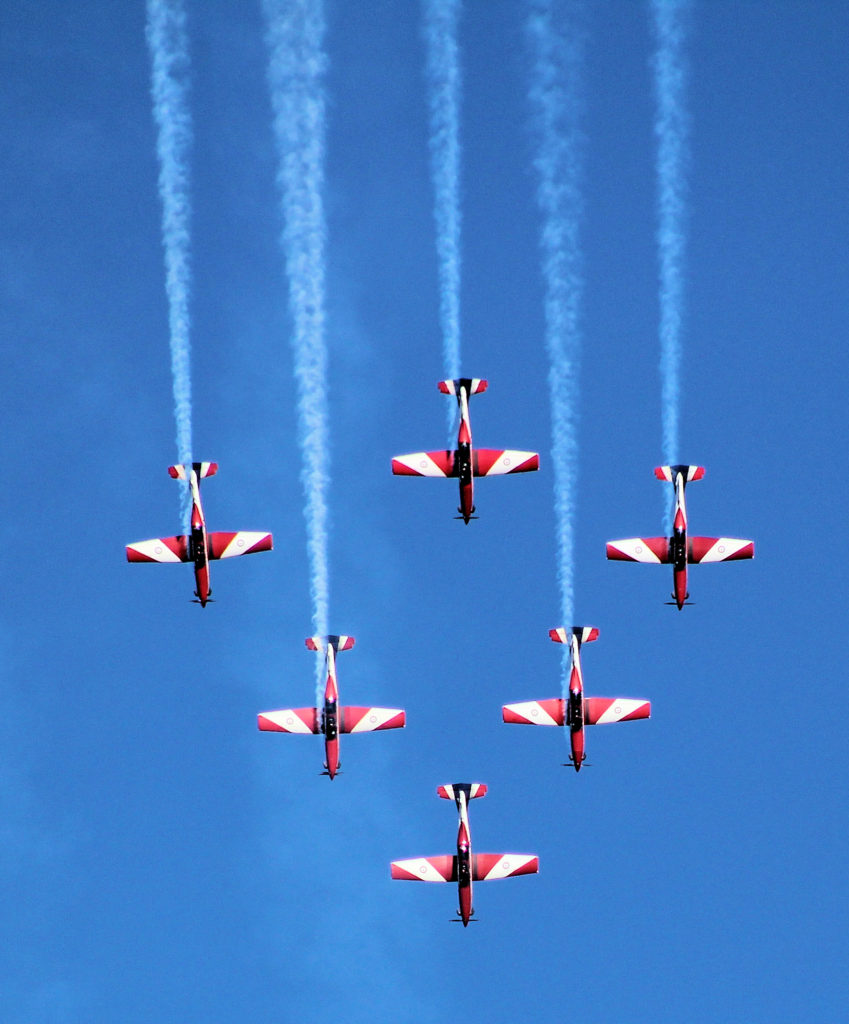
column 498, row 461
column 719, row 549
column 354, row 719
column 426, row 869
column 486, row 867
column 536, row 712
column 244, row 542
column 424, row 464
column 639, row 549
column 302, row 720
column 603, row 710
column 160, row 549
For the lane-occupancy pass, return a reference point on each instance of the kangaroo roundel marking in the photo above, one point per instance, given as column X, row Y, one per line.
column 240, row 542
column 423, row 869
column 535, row 712
column 638, row 549
column 721, row 549
column 372, row 719
column 506, row 460
column 423, row 464
column 290, row 720
column 158, row 549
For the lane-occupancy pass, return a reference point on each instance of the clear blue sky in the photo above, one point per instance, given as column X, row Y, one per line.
column 161, row 860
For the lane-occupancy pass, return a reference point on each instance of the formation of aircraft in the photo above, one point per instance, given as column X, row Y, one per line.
column 464, row 867
column 201, row 546
column 578, row 711
column 678, row 550
column 465, row 462
column 334, row 718
column 574, row 712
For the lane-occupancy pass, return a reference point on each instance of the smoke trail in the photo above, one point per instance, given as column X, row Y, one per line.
column 670, row 128
column 295, row 29
column 556, row 52
column 166, row 39
column 443, row 81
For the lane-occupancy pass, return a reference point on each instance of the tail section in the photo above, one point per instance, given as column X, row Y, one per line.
column 338, row 643
column 689, row 473
column 474, row 385
column 471, row 789
column 201, row 468
column 585, row 634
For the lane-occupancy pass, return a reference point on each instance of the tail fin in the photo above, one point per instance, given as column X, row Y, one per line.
column 669, row 473
column 201, row 468
column 338, row 643
column 471, row 789
column 584, row 634
column 474, row 385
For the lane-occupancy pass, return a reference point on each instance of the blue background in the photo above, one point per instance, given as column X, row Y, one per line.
column 162, row 860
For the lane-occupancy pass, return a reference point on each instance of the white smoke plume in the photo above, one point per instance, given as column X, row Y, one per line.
column 166, row 38
column 443, row 87
column 556, row 45
column 671, row 127
column 297, row 63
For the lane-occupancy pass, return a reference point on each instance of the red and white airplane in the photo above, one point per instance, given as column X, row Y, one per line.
column 578, row 711
column 465, row 462
column 679, row 550
column 464, row 867
column 333, row 718
column 201, row 546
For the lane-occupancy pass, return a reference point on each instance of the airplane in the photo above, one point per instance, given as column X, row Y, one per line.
column 679, row 550
column 465, row 462
column 333, row 719
column 464, row 867
column 201, row 546
column 578, row 711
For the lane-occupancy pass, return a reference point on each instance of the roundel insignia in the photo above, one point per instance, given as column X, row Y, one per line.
column 617, row 709
column 372, row 719
column 240, row 542
column 423, row 464
column 423, row 869
column 506, row 460
column 158, row 549
column 535, row 712
column 638, row 549
column 506, row 865
column 290, row 720
column 721, row 549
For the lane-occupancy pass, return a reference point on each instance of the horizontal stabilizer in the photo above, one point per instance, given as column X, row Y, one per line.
column 471, row 789
column 160, row 549
column 474, row 385
column 201, row 468
column 245, row 542
column 426, row 869
column 353, row 719
column 603, row 710
column 302, row 720
column 719, row 549
column 487, row 867
column 585, row 634
column 425, row 464
column 499, row 462
column 639, row 549
column 689, row 473
column 338, row 643
column 535, row 712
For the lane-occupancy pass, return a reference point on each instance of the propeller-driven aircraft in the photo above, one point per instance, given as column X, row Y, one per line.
column 679, row 550
column 464, row 867
column 578, row 711
column 200, row 546
column 465, row 462
column 333, row 719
